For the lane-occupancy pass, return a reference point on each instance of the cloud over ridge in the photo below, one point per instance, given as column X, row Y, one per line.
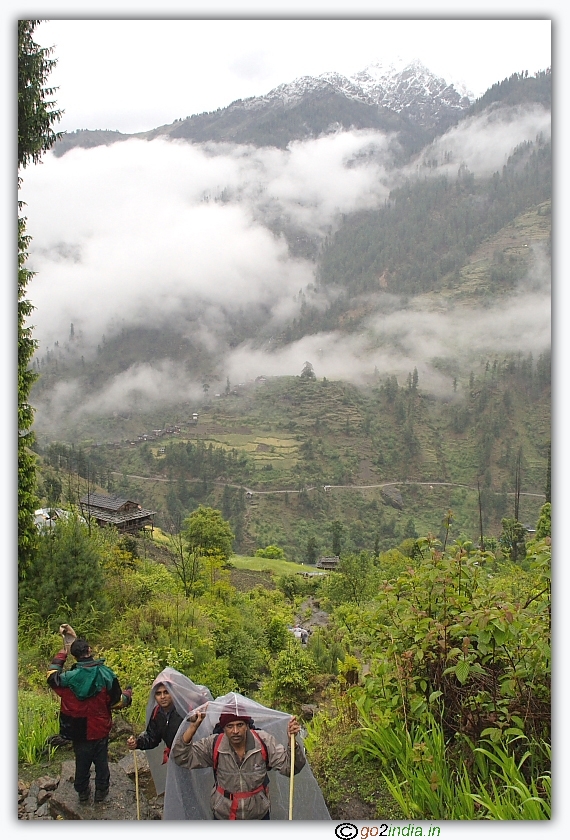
column 168, row 233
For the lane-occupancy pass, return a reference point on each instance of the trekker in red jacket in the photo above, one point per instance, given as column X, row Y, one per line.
column 88, row 691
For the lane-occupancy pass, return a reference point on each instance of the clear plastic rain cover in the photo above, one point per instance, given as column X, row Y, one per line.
column 187, row 795
column 186, row 696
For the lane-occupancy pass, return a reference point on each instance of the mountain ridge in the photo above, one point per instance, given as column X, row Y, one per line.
column 413, row 94
column 414, row 90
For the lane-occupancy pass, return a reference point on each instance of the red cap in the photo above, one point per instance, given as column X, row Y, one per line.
column 230, row 715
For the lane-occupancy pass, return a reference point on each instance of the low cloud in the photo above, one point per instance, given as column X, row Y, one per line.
column 141, row 387
column 141, row 232
column 175, row 235
column 397, row 343
column 484, row 142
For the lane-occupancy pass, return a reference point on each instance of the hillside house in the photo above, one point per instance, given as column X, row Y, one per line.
column 127, row 516
column 328, row 562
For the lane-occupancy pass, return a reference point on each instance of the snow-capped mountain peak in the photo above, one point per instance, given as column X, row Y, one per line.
column 404, row 87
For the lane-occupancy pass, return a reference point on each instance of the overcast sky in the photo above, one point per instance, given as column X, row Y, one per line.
column 133, row 75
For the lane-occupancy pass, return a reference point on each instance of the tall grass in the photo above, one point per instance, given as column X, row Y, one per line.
column 38, row 718
column 428, row 782
column 419, row 775
column 511, row 796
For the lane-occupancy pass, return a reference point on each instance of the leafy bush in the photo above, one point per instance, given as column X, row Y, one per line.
column 276, row 634
column 271, row 552
column 447, row 632
column 290, row 683
column 135, row 665
column 165, row 623
column 544, row 524
column 151, row 579
column 215, row 675
column 293, row 585
column 354, row 581
column 242, row 649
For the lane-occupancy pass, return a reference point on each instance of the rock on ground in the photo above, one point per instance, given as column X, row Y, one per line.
column 48, row 798
column 120, row 803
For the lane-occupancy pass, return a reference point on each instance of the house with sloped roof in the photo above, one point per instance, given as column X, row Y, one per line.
column 126, row 515
column 328, row 562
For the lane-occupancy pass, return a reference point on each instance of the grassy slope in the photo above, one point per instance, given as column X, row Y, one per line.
column 263, row 564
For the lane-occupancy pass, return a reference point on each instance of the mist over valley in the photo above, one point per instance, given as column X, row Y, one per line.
column 245, row 260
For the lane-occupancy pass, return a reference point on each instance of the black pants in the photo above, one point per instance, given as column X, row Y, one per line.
column 86, row 754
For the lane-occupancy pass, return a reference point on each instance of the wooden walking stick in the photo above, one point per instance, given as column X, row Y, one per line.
column 136, row 777
column 137, row 784
column 291, row 781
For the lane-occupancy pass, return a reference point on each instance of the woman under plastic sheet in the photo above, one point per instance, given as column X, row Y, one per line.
column 186, row 696
column 188, row 792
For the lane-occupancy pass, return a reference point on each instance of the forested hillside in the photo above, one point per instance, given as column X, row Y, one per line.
column 431, row 227
column 286, row 439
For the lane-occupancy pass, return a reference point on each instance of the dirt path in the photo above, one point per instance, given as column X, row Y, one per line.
column 318, row 618
column 326, row 487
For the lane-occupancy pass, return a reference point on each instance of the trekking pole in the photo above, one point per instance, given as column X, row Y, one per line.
column 136, row 777
column 137, row 784
column 291, row 782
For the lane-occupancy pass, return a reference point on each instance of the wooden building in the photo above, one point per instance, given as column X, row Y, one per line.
column 127, row 516
column 328, row 562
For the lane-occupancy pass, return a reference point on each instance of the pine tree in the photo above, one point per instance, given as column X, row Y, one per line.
column 36, row 115
column 548, row 475
column 27, row 501
column 337, row 529
column 312, row 550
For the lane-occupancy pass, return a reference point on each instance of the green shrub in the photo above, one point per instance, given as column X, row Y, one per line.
column 214, row 674
column 136, row 665
column 271, row 552
column 277, row 634
column 65, row 579
column 290, row 681
column 450, row 633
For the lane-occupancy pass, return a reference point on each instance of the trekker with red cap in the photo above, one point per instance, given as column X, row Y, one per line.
column 240, row 756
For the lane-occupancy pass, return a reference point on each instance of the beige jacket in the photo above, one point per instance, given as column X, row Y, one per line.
column 233, row 776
